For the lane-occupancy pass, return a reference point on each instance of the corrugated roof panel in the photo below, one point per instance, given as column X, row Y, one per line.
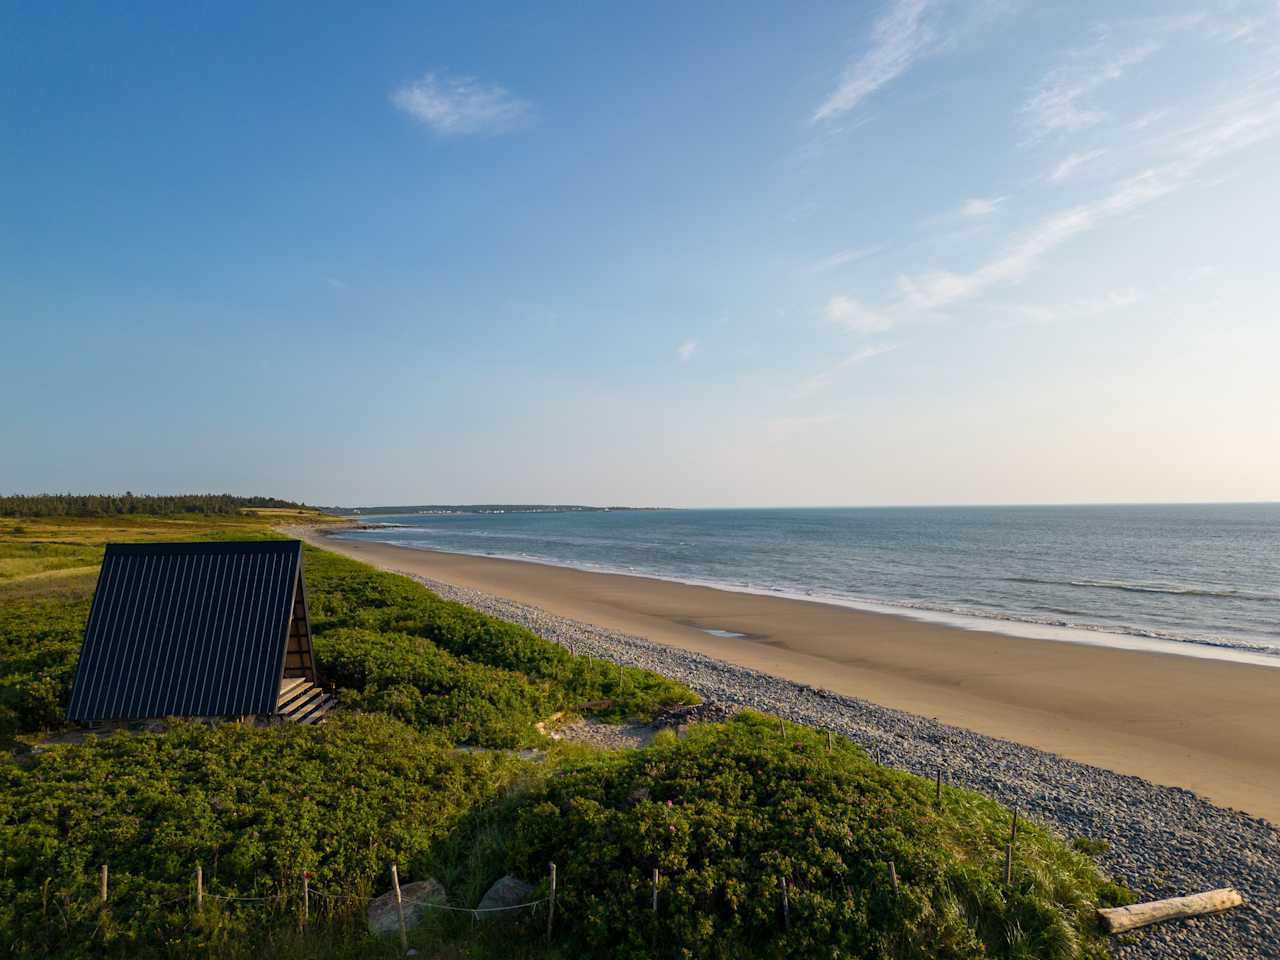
column 187, row 629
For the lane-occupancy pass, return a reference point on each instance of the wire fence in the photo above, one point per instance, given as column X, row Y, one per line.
column 117, row 903
column 300, row 896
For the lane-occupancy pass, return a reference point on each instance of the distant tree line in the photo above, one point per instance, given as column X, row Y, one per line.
column 110, row 505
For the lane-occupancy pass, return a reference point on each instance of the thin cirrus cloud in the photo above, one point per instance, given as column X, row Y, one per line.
column 842, row 258
column 825, row 378
column 1061, row 103
column 899, row 38
column 981, row 206
column 1226, row 129
column 1067, row 167
column 1083, row 308
column 855, row 317
column 1065, row 99
column 686, row 350
column 461, row 106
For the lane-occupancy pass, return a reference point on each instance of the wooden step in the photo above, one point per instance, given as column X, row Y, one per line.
column 300, row 705
column 318, row 710
column 297, row 693
column 301, row 701
column 290, row 684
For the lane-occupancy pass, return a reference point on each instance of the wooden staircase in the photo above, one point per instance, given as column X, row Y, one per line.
column 301, row 701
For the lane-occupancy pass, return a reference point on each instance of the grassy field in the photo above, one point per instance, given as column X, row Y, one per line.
column 48, row 570
column 725, row 815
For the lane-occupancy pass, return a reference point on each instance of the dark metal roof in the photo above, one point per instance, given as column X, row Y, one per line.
column 187, row 629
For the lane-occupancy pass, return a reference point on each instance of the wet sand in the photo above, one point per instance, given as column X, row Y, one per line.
column 1208, row 726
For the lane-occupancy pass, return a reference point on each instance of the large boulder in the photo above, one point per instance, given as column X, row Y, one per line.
column 510, row 891
column 383, row 918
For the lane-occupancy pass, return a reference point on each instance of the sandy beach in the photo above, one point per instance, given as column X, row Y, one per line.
column 1207, row 726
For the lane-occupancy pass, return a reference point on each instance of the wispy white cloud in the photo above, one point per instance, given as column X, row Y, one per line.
column 1061, row 103
column 854, row 317
column 1149, row 118
column 1230, row 127
column 823, row 379
column 898, row 39
column 981, row 206
column 1084, row 308
column 1068, row 166
column 1065, row 100
column 842, row 258
column 456, row 106
column 335, row 284
column 686, row 350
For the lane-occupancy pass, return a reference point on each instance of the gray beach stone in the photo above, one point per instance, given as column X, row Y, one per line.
column 383, row 917
column 509, row 891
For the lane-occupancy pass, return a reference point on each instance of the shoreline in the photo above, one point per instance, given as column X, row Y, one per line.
column 1160, row 841
column 1010, row 625
column 1209, row 726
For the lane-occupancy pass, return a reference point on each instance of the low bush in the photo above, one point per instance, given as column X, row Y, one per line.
column 437, row 664
column 734, row 810
column 415, row 681
column 346, row 595
column 40, row 634
column 1090, row 845
column 254, row 806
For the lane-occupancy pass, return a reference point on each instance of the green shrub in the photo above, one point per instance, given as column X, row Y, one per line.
column 254, row 806
column 481, row 679
column 345, row 594
column 414, row 680
column 39, row 644
column 1090, row 846
column 731, row 811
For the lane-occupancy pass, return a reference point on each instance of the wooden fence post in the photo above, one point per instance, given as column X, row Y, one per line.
column 199, row 888
column 786, row 906
column 306, row 899
column 551, row 909
column 103, row 884
column 828, row 741
column 1008, row 850
column 653, row 937
column 938, row 795
column 893, row 877
column 782, row 728
column 44, row 899
column 395, row 883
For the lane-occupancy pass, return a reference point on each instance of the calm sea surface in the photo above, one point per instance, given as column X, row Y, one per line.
column 1201, row 580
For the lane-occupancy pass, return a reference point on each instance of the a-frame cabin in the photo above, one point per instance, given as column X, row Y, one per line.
column 199, row 630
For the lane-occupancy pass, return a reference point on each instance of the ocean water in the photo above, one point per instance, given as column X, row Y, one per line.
column 1202, row 580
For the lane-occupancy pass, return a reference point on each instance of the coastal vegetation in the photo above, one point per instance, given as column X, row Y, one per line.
column 768, row 844
column 419, row 770
column 389, row 644
column 125, row 504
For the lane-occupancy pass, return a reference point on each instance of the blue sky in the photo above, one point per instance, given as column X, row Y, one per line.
column 901, row 252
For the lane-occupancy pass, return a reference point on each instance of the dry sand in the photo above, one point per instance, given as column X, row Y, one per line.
column 1209, row 726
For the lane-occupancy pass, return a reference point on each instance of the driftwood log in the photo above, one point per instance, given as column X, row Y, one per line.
column 1120, row 919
